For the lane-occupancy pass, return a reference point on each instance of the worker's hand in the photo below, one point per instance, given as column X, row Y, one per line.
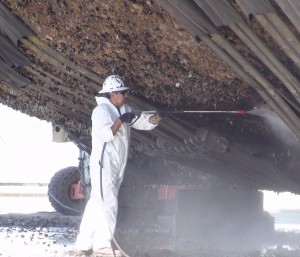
column 154, row 119
column 127, row 117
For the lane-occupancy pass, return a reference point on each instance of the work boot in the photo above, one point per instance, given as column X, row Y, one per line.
column 83, row 245
column 106, row 252
column 83, row 252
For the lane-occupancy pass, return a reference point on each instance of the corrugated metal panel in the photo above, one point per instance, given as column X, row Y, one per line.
column 292, row 9
column 11, row 55
column 11, row 77
column 12, row 26
column 220, row 12
column 189, row 15
column 255, row 7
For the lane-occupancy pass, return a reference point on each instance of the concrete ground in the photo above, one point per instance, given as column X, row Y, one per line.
column 30, row 227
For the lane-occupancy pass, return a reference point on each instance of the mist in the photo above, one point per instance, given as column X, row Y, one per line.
column 279, row 128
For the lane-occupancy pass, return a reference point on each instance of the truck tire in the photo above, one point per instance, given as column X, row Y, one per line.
column 58, row 192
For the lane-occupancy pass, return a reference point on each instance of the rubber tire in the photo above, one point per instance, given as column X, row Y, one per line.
column 58, row 192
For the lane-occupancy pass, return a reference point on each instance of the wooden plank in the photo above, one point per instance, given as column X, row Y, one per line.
column 291, row 8
column 62, row 101
column 268, row 58
column 189, row 15
column 220, row 12
column 11, row 77
column 255, row 7
column 268, row 26
column 55, row 61
column 12, row 55
column 278, row 103
column 59, row 84
column 291, row 40
column 53, row 54
column 13, row 27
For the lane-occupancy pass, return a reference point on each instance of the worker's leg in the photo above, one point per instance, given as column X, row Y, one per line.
column 94, row 219
column 87, row 227
column 103, row 234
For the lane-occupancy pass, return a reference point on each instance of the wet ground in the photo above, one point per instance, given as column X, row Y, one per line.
column 30, row 227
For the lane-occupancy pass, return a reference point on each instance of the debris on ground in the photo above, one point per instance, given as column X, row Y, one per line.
column 52, row 234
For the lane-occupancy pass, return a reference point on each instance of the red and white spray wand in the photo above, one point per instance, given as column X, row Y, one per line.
column 238, row 112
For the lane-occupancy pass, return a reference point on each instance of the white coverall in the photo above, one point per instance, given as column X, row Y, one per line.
column 98, row 224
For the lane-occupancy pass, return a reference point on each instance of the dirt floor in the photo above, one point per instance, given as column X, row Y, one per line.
column 47, row 233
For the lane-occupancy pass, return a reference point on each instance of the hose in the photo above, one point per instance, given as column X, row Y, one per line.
column 61, row 204
column 80, row 212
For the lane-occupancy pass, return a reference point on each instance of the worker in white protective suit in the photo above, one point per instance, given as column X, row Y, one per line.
column 111, row 123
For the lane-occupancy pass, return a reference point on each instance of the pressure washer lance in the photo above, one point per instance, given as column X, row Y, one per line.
column 166, row 112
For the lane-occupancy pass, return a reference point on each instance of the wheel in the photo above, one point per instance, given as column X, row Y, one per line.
column 58, row 192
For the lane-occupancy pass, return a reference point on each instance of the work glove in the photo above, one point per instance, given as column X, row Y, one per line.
column 137, row 112
column 127, row 117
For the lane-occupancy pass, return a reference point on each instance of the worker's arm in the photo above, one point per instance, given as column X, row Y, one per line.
column 116, row 126
column 146, row 121
column 125, row 117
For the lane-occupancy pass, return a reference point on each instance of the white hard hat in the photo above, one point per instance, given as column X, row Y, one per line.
column 113, row 83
